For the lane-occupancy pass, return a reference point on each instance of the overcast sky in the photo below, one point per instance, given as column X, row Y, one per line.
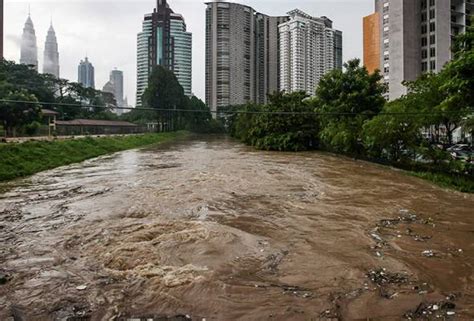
column 106, row 30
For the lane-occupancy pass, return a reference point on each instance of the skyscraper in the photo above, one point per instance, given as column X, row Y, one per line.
column 309, row 48
column 182, row 53
column 241, row 54
column 411, row 37
column 164, row 41
column 86, row 74
column 116, row 77
column 29, row 50
column 51, row 54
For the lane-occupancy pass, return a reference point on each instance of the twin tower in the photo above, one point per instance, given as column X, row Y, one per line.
column 29, row 49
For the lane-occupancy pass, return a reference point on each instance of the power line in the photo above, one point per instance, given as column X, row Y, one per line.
column 282, row 113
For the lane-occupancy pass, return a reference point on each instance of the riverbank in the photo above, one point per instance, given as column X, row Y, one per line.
column 24, row 159
column 462, row 184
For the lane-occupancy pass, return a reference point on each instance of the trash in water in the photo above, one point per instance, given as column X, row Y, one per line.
column 376, row 237
column 428, row 253
column 382, row 277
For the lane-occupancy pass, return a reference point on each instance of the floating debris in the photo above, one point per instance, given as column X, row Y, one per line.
column 432, row 310
column 382, row 277
column 429, row 253
column 81, row 287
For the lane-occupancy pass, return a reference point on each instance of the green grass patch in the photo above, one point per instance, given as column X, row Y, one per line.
column 460, row 183
column 20, row 160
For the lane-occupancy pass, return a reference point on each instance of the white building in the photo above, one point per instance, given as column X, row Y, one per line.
column 309, row 48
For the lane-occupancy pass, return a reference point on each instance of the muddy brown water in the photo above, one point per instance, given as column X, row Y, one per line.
column 208, row 229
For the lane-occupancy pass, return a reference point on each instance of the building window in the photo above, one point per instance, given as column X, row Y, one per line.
column 432, row 14
column 424, row 54
column 424, row 66
column 433, row 65
column 423, row 4
column 423, row 17
column 432, row 3
column 424, row 41
column 432, row 27
column 432, row 52
column 432, row 39
column 424, row 29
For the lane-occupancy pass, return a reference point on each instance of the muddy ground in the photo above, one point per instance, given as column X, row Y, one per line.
column 208, row 229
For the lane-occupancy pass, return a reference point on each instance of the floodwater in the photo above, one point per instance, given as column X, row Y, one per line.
column 208, row 229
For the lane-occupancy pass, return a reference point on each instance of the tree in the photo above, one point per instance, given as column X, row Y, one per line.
column 347, row 99
column 198, row 118
column 395, row 133
column 24, row 109
column 458, row 80
column 288, row 123
column 22, row 77
column 164, row 93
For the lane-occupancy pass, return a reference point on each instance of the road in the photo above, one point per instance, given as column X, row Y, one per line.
column 208, row 229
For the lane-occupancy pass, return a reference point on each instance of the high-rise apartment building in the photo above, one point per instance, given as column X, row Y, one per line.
column 164, row 41
column 51, row 54
column 241, row 54
column 29, row 49
column 309, row 48
column 86, row 74
column 412, row 37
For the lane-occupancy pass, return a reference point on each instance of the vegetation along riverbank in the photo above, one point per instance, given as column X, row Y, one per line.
column 19, row 160
column 427, row 132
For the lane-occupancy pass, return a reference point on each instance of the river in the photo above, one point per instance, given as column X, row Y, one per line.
column 208, row 229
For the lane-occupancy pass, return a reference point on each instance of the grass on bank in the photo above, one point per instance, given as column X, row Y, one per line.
column 20, row 160
column 459, row 183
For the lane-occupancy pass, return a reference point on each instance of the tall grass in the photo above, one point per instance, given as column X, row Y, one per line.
column 460, row 183
column 19, row 160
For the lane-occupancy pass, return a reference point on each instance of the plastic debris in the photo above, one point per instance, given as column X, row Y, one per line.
column 428, row 253
column 81, row 287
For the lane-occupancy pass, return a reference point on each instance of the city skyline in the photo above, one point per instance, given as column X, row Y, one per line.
column 89, row 32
